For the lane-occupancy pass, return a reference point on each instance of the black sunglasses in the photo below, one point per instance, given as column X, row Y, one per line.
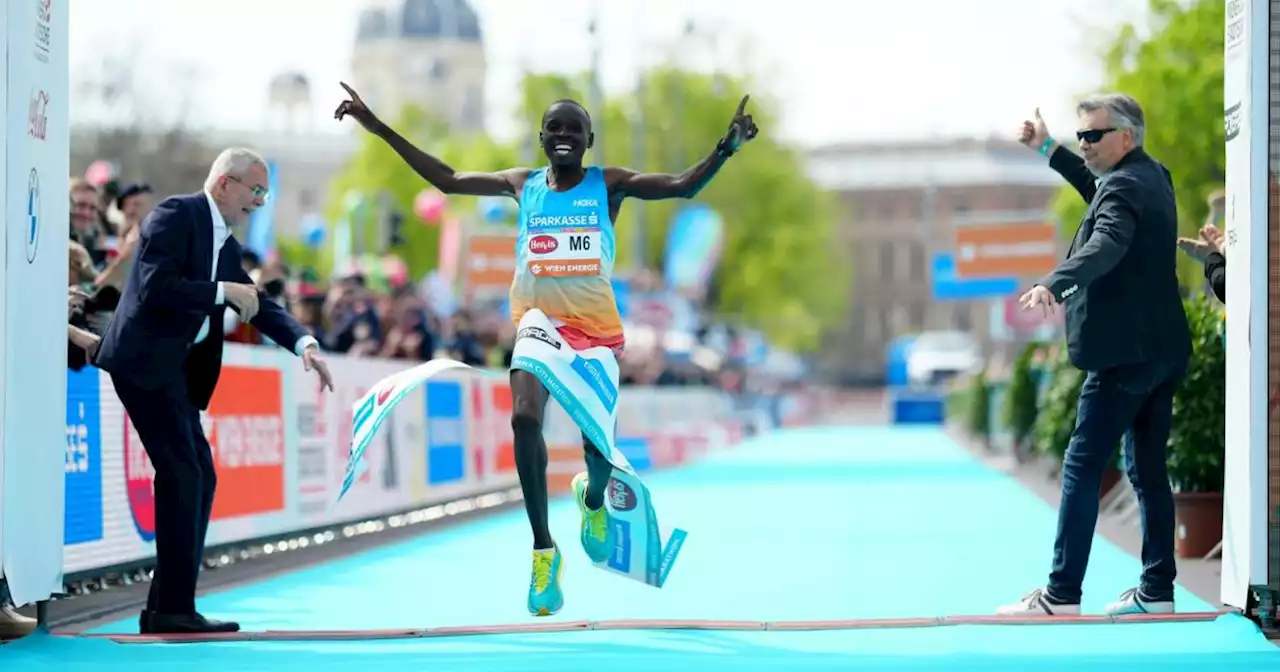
column 1093, row 135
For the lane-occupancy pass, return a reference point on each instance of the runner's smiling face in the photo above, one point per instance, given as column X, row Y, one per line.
column 566, row 134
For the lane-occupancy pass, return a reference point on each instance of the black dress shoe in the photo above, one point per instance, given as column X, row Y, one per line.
column 220, row 626
column 156, row 623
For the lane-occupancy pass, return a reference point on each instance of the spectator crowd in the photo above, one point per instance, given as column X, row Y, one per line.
column 350, row 313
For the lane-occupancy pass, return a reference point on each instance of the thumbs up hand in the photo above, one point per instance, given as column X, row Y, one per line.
column 1033, row 132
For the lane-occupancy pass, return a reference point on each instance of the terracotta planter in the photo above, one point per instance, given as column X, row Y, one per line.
column 1110, row 478
column 1199, row 522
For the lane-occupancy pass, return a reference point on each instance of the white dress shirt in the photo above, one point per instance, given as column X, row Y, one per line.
column 220, row 234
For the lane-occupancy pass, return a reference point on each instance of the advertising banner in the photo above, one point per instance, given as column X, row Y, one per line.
column 36, row 158
column 281, row 448
column 1244, row 548
column 4, row 181
column 83, row 462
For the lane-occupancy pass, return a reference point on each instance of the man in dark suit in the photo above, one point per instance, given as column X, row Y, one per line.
column 1127, row 331
column 163, row 350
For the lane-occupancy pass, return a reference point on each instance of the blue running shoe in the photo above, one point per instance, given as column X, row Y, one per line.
column 597, row 533
column 545, row 595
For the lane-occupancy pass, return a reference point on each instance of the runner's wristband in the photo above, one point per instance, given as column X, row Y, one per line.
column 723, row 148
column 1046, row 146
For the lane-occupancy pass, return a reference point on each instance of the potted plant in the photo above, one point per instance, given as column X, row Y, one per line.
column 1021, row 400
column 978, row 409
column 1197, row 436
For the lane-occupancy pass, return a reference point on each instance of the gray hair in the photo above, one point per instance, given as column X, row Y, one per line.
column 233, row 161
column 1122, row 110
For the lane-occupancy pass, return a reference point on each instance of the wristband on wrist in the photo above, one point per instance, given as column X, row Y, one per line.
column 1046, row 146
column 723, row 148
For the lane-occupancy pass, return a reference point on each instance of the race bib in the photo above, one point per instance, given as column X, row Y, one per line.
column 565, row 254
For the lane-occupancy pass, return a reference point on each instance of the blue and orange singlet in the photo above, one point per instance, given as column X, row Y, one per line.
column 564, row 260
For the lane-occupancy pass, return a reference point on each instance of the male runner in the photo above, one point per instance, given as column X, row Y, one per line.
column 580, row 302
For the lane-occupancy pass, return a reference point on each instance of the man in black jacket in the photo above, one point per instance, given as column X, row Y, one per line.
column 1127, row 331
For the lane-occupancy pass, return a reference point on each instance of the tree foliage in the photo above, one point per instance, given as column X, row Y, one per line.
column 1176, row 73
column 377, row 169
column 779, row 269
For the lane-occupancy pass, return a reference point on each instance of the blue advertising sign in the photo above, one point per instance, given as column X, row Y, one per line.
column 947, row 286
column 82, row 463
column 446, row 432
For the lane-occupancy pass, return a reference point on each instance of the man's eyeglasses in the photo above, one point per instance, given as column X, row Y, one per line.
column 1093, row 135
column 258, row 192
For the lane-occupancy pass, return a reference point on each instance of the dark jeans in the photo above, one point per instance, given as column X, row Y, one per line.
column 1134, row 402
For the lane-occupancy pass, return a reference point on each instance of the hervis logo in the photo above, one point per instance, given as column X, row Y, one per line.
column 543, row 244
column 621, row 497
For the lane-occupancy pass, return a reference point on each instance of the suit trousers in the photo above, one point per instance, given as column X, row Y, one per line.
column 185, row 480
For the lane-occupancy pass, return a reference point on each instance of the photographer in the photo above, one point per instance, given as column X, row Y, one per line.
column 88, row 307
column 81, row 340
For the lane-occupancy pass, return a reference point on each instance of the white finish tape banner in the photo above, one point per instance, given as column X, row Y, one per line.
column 639, row 551
column 368, row 414
column 36, row 172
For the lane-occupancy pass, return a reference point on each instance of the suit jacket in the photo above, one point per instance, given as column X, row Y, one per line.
column 1119, row 282
column 167, row 296
column 1215, row 271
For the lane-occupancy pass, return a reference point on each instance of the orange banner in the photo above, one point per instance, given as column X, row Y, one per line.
column 245, row 427
column 490, row 262
column 504, row 440
column 1020, row 250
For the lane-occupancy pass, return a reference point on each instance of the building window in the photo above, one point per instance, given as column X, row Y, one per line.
column 866, row 209
column 916, row 318
column 899, row 322
column 886, row 260
column 916, row 263
column 870, row 326
column 961, row 318
column 868, row 257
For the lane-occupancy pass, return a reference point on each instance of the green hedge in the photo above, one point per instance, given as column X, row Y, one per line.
column 1044, row 388
column 1197, row 440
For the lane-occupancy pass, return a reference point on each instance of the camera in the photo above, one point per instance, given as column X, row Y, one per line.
column 102, row 301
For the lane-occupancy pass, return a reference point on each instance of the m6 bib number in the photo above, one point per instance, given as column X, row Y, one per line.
column 564, row 254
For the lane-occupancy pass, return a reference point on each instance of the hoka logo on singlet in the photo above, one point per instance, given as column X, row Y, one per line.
column 563, row 221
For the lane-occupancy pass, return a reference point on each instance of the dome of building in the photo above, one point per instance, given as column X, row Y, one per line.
column 420, row 20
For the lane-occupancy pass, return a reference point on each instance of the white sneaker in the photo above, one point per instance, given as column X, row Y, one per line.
column 1131, row 602
column 1037, row 603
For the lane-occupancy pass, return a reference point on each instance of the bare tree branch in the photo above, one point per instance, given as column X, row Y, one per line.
column 137, row 114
